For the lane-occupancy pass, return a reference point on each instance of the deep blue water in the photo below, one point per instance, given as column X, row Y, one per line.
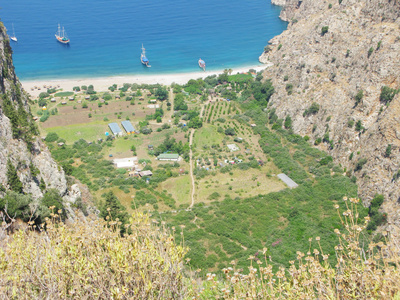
column 106, row 35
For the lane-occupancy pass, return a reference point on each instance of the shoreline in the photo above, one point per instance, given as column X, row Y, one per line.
column 101, row 84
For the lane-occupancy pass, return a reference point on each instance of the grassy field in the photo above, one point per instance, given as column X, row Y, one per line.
column 207, row 135
column 238, row 183
column 87, row 131
column 179, row 188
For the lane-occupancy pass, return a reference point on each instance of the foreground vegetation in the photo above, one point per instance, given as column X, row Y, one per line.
column 93, row 260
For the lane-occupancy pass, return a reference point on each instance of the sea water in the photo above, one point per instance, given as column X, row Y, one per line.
column 107, row 35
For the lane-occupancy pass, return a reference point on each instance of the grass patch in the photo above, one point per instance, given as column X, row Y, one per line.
column 71, row 133
column 64, row 94
column 207, row 135
column 179, row 188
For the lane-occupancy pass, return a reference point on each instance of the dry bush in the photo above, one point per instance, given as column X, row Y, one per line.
column 360, row 273
column 91, row 261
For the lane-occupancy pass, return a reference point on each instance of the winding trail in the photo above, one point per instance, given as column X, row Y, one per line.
column 191, row 160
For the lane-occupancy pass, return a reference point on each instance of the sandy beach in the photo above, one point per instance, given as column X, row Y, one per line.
column 102, row 83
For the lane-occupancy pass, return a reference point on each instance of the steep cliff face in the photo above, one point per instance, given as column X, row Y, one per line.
column 18, row 142
column 339, row 57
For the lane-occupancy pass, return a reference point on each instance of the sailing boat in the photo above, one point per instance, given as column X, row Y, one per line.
column 13, row 37
column 202, row 64
column 61, row 35
column 143, row 58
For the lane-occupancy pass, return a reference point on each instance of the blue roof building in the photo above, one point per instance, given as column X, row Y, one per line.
column 128, row 127
column 116, row 130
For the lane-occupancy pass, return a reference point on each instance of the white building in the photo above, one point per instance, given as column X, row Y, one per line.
column 128, row 162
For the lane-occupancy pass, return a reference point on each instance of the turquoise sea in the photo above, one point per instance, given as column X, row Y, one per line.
column 106, row 35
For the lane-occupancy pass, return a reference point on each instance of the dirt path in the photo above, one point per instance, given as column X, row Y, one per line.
column 191, row 159
column 201, row 111
column 191, row 167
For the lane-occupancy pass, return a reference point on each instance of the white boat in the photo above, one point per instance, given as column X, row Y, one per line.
column 143, row 58
column 61, row 35
column 202, row 64
column 13, row 37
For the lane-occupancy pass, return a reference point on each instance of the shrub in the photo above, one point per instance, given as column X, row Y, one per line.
column 14, row 182
column 387, row 94
column 288, row 122
column 350, row 123
column 45, row 116
column 359, row 96
column 370, row 51
column 388, row 150
column 214, row 196
column 44, row 95
column 289, row 88
column 359, row 126
column 51, row 137
column 312, row 110
column 324, row 30
column 230, row 131
column 42, row 102
column 360, row 163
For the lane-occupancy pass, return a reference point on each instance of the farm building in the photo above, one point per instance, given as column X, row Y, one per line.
column 145, row 173
column 115, row 129
column 128, row 127
column 53, row 100
column 128, row 162
column 168, row 156
column 289, row 182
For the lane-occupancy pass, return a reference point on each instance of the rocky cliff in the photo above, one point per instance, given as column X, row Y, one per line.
column 336, row 73
column 19, row 143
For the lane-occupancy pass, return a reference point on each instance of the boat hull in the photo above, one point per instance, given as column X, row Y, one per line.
column 144, row 60
column 202, row 65
column 61, row 40
column 13, row 38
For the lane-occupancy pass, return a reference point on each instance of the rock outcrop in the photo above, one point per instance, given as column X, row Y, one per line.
column 28, row 154
column 339, row 55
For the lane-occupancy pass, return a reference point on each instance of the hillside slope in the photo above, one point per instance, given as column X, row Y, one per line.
column 18, row 141
column 342, row 69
